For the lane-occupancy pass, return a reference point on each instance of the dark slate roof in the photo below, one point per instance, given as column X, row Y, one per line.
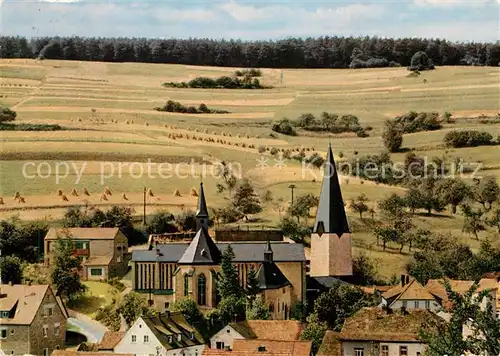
column 201, row 251
column 331, row 216
column 323, row 283
column 173, row 324
column 169, row 252
column 244, row 252
column 254, row 251
column 202, row 210
column 270, row 276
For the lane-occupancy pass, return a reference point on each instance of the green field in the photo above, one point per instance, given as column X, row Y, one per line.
column 109, row 108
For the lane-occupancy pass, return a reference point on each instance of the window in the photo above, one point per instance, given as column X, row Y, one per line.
column 404, row 303
column 57, row 347
column 219, row 345
column 179, row 337
column 403, row 351
column 167, row 305
column 45, row 352
column 96, row 271
column 48, row 311
column 118, row 259
column 359, row 351
column 417, row 304
column 3, row 333
column 170, row 339
column 186, row 285
column 261, row 349
column 57, row 329
column 384, row 350
column 5, row 314
column 146, row 339
column 191, row 336
column 418, row 353
column 427, row 304
column 134, row 338
column 202, row 289
column 45, row 331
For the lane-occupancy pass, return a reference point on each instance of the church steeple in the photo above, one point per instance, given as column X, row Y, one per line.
column 202, row 211
column 331, row 216
column 268, row 253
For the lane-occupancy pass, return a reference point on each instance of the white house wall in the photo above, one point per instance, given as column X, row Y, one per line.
column 226, row 335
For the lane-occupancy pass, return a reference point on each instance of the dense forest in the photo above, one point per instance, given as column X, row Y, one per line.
column 322, row 52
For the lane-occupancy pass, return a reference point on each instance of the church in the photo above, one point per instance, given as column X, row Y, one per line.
column 171, row 271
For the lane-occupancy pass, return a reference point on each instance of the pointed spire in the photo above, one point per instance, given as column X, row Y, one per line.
column 268, row 252
column 202, row 210
column 201, row 251
column 331, row 216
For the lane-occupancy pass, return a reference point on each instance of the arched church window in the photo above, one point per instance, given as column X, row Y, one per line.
column 202, row 290
column 186, row 285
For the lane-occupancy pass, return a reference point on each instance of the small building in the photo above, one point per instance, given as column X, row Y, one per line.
column 104, row 251
column 273, row 347
column 32, row 320
column 277, row 330
column 165, row 334
column 110, row 340
column 373, row 331
column 84, row 353
column 242, row 235
column 410, row 294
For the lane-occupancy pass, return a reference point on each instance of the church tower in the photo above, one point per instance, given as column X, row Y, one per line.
column 331, row 238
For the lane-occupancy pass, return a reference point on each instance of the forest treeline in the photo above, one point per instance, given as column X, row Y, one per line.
column 322, row 52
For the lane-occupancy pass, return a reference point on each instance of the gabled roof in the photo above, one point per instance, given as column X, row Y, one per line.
column 270, row 276
column 243, row 252
column 84, row 353
column 84, row 233
column 331, row 216
column 414, row 291
column 436, row 287
column 291, row 348
column 202, row 250
column 25, row 299
column 98, row 261
column 279, row 330
column 202, row 210
column 110, row 340
column 375, row 324
column 331, row 344
column 172, row 324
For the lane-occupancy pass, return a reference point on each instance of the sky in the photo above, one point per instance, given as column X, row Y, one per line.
column 456, row 20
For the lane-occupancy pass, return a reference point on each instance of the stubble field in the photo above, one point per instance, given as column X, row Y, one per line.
column 107, row 110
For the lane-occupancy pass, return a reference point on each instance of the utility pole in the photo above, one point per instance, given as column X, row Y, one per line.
column 292, row 187
column 144, row 213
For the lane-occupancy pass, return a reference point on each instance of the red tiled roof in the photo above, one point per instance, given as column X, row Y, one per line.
column 292, row 348
column 110, row 340
column 87, row 233
column 374, row 324
column 279, row 330
column 84, row 353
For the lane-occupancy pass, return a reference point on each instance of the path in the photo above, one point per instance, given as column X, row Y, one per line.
column 93, row 330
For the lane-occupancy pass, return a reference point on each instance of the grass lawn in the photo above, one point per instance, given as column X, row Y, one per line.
column 98, row 295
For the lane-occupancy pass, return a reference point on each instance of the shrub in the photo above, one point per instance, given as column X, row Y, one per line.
column 420, row 61
column 467, row 138
column 7, row 114
column 416, row 122
column 223, row 82
column 284, row 127
column 392, row 136
column 248, row 72
column 174, row 106
column 262, row 149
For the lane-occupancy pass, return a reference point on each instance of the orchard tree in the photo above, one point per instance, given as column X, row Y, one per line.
column 473, row 222
column 392, row 136
column 359, row 205
column 7, row 114
column 162, row 222
column 132, row 307
column 66, row 268
column 420, row 61
column 11, row 269
column 302, row 206
column 453, row 191
column 245, row 200
column 229, row 179
column 487, row 192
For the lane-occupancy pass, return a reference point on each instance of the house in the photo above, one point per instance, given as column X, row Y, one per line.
column 166, row 334
column 495, row 277
column 170, row 271
column 292, row 348
column 104, row 251
column 110, row 340
column 374, row 331
column 410, row 294
column 84, row 353
column 32, row 320
column 277, row 330
column 437, row 288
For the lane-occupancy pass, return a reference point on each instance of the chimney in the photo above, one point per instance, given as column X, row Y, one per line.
column 403, row 280
column 407, row 278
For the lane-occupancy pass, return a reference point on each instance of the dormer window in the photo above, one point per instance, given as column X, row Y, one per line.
column 192, row 336
column 179, row 337
column 170, row 339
